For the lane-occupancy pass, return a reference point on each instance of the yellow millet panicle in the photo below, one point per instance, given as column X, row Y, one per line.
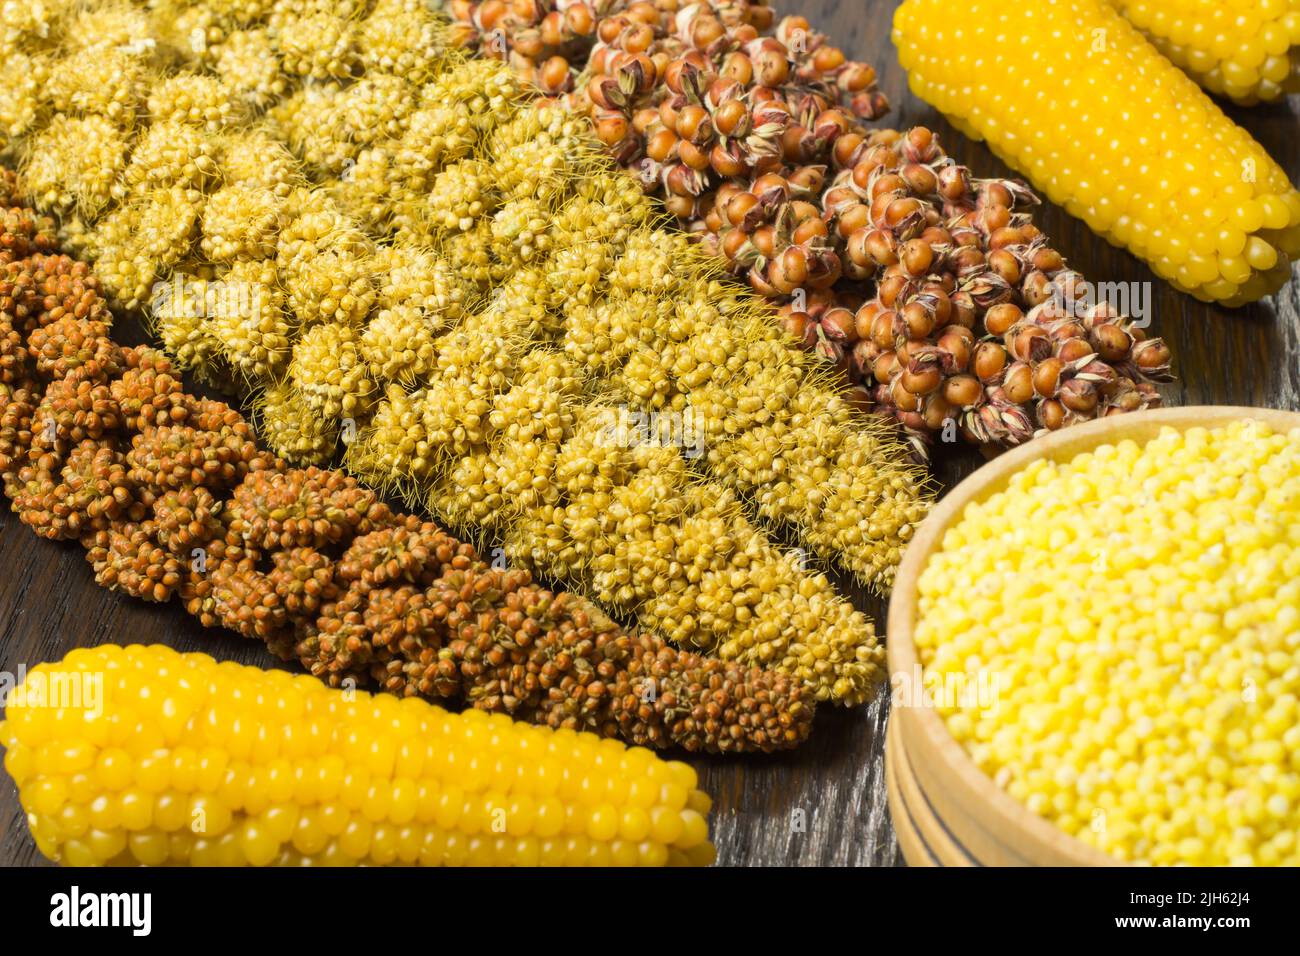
column 247, row 64
column 461, row 195
column 487, row 91
column 333, row 286
column 331, row 374
column 178, row 311
column 107, row 82
column 288, row 424
column 324, row 262
column 311, row 122
column 407, row 275
column 206, row 102
column 106, row 25
column 171, row 154
column 23, row 81
column 1137, row 610
column 186, row 32
column 468, row 253
column 395, row 451
column 74, row 164
column 376, row 107
column 241, row 222
column 252, row 158
column 139, row 242
column 1178, row 183
column 1248, row 50
column 440, row 133
column 32, row 25
column 399, row 343
column 251, row 322
column 403, row 39
column 386, row 186
column 541, row 154
column 176, row 767
column 240, row 12
column 615, row 514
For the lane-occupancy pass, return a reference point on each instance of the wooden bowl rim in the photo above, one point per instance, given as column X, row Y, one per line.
column 986, row 480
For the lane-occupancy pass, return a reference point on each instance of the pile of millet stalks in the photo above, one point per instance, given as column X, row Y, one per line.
column 459, row 291
column 932, row 290
column 171, row 497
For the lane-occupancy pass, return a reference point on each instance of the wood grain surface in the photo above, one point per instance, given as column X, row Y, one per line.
column 824, row 804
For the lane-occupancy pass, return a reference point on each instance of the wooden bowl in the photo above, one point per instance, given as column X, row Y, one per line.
column 947, row 790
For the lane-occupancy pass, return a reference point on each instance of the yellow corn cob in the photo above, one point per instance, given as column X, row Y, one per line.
column 1072, row 95
column 1248, row 50
column 138, row 754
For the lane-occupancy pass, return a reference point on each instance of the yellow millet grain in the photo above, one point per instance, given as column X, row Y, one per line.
column 1112, row 131
column 319, row 45
column 1136, row 611
column 372, row 188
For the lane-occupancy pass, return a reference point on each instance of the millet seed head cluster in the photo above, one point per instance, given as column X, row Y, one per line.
column 171, row 497
column 434, row 259
column 753, row 133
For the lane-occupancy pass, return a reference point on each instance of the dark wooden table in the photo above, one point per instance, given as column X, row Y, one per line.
column 824, row 804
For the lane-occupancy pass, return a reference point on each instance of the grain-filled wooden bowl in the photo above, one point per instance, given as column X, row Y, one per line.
column 937, row 789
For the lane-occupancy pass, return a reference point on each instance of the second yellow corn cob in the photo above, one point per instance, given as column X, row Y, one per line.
column 1248, row 50
column 126, row 755
column 1072, row 95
